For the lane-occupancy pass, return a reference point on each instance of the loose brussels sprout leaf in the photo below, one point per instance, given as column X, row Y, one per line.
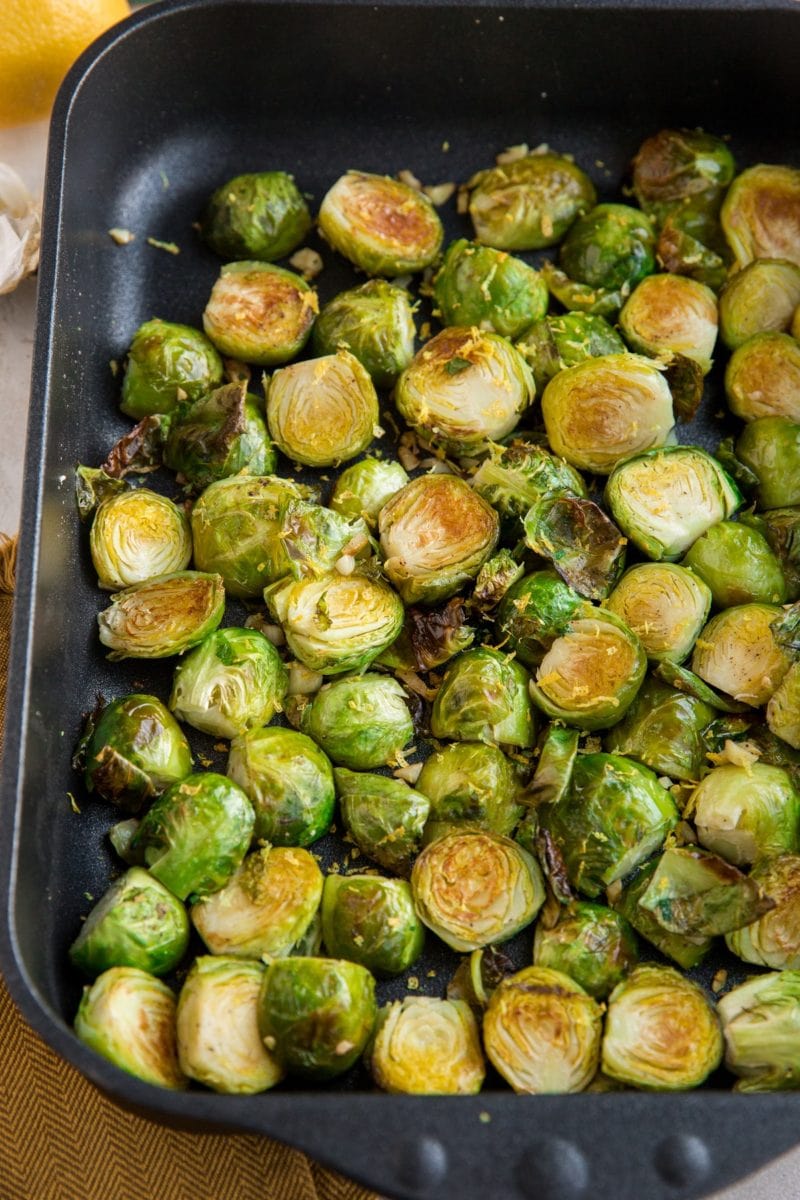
column 514, row 477
column 685, row 381
column 363, row 488
column 131, row 750
column 616, row 815
column 564, row 340
column 738, row 565
column 584, row 546
column 681, row 247
column 679, row 166
column 316, row 1014
column 478, row 285
column 137, row 923
column 583, row 297
column 664, row 499
column 476, row 888
column 141, row 449
column 528, row 203
column 93, row 485
column 494, row 579
column 737, row 653
column 697, row 893
column 663, row 729
column 606, row 410
column 430, row 638
column 774, row 939
column 534, row 612
column 781, row 528
column 762, row 378
column 761, row 214
column 383, row 226
column 231, row 682
column 220, row 434
column 542, row 1032
column 593, row 945
column 478, row 975
column 128, row 1016
column 464, row 389
column 260, row 313
column 322, row 411
column 687, row 952
column 761, row 297
column 375, row 322
column 265, row 909
column 746, row 813
column 427, row 1047
column 665, row 606
column 436, row 534
column 553, row 775
column 671, row 314
column 361, row 721
column 371, row 921
column 770, row 447
column 385, row 817
column 217, row 1027
column 692, row 685
column 761, row 1024
column 164, row 616
column 469, row 784
column 137, row 534
column 591, row 673
column 484, row 698
column 662, row 1034
column 260, row 216
column 166, row 364
column 783, row 709
column 289, row 781
column 612, row 246
column 336, row 623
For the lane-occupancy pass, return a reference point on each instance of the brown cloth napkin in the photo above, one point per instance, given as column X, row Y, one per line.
column 61, row 1139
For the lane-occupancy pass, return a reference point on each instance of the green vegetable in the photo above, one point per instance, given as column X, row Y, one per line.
column 737, row 653
column 762, row 378
column 783, row 708
column 469, row 785
column 371, row 921
column 167, row 363
column 221, row 434
column 761, row 297
column 761, row 1024
column 136, row 535
column 585, row 547
column 231, row 682
column 738, row 565
column 479, row 286
column 514, row 477
column 663, row 730
column 671, row 314
column 534, row 612
column 166, row 615
column 664, row 605
column 679, row 168
column 260, row 216
column 383, row 226
column 770, row 447
column 375, row 322
column 427, row 1047
column 495, row 577
column 592, row 944
column 260, row 313
column 774, row 939
column 137, row 923
column 483, row 697
column 360, row 721
column 611, row 246
column 759, row 214
column 697, row 893
column 385, row 817
column 564, row 340
column 687, row 952
column 365, row 487
column 528, row 203
column 289, row 781
column 746, row 813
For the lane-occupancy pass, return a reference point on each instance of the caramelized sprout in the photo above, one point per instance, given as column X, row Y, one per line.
column 585, row 547
column 164, row 616
column 678, row 168
column 747, row 813
column 361, row 721
column 664, row 605
column 375, row 322
column 427, row 1047
column 371, row 921
column 385, row 817
column 774, row 939
column 687, row 952
column 762, row 378
column 483, row 697
column 783, row 708
column 761, row 214
column 563, row 340
column 260, row 313
column 469, row 785
column 592, row 944
column 233, row 681
column 383, row 226
column 697, row 893
column 322, row 411
column 663, row 729
column 260, row 216
column 737, row 653
column 221, row 434
column 761, row 297
column 363, row 488
column 611, row 247
column 514, row 477
column 671, row 314
column 528, row 203
column 761, row 1023
column 480, row 286
column 137, row 534
column 533, row 613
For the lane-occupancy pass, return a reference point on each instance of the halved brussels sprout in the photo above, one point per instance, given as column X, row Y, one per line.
column 483, row 697
column 664, row 499
column 761, row 214
column 774, row 939
column 662, row 1033
column 137, row 923
column 593, row 945
column 362, row 489
column 371, row 921
column 137, row 534
column 737, row 564
column 469, row 784
column 697, row 893
column 542, row 1032
column 289, row 781
column 666, row 607
column 761, row 1024
column 671, row 314
column 534, row 612
column 676, row 167
column 564, row 340
column 663, row 730
column 322, row 411
column 770, row 447
column 217, row 1027
column 514, row 477
column 260, row 216
column 164, row 616
column 606, row 410
column 610, row 247
column 783, row 708
column 221, row 434
column 167, row 363
column 375, row 322
column 592, row 672
column 737, row 653
column 383, row 226
column 427, row 1047
column 436, row 534
column 477, row 285
column 476, row 888
column 360, row 722
column 336, row 623
column 746, row 813
column 464, row 388
column 316, row 1014
column 585, row 547
column 260, row 313
column 686, row 951
column 528, row 203
column 385, row 817
column 495, row 577
column 128, row 1016
column 132, row 750
column 265, row 909
column 762, row 378
column 760, row 298
column 615, row 816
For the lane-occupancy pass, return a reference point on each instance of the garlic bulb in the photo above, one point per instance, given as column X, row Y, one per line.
column 20, row 220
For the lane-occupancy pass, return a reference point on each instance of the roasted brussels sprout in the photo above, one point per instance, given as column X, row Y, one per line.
column 495, row 577
column 585, row 547
column 762, row 378
column 289, row 781
column 666, row 607
column 260, row 313
column 132, row 750
column 128, row 1016
column 375, row 322
column 677, row 168
column 564, row 340
column 220, row 434
column 745, row 814
column 774, row 939
column 362, row 489
column 371, row 921
column 383, row 226
column 469, row 784
column 322, row 411
column 663, row 730
column 528, row 203
column 696, row 893
column 265, row 909
column 737, row 564
column 662, row 1033
column 686, row 951
column 542, row 1031
column 361, row 721
column 164, row 616
column 593, row 945
column 770, row 447
column 260, row 216
column 316, row 1014
column 737, row 653
column 514, row 477
column 534, row 612
column 436, row 534
column 664, row 499
column 475, row 888
column 479, row 286
column 781, row 528
column 760, row 1021
column 464, row 389
column 783, row 708
column 553, row 775
column 761, row 297
column 483, row 697
column 611, row 247
column 427, row 1047
column 761, row 214
column 137, row 923
column 671, row 314
column 430, row 637
column 385, row 817
column 137, row 534
column 166, row 364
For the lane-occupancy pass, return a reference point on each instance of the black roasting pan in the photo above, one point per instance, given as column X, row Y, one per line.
column 159, row 111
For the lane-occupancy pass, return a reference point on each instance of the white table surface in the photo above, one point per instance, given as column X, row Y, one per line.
column 24, row 149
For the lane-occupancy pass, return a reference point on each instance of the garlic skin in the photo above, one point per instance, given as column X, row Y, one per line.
column 20, row 230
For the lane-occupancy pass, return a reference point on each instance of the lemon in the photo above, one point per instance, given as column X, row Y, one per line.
column 39, row 42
